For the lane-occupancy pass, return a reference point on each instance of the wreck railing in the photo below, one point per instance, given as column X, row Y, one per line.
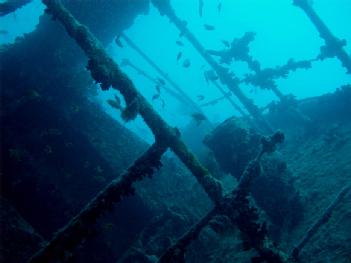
column 235, row 207
column 334, row 46
column 106, row 72
column 81, row 227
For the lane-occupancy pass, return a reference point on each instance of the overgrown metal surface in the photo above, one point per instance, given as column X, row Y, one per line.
column 107, row 73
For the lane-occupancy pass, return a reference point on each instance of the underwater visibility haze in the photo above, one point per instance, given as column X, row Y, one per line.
column 173, row 131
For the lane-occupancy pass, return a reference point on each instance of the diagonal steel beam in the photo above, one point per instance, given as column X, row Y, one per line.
column 81, row 226
column 105, row 71
column 236, row 207
column 224, row 76
column 333, row 44
column 320, row 222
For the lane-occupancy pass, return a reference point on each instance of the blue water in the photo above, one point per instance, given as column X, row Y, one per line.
column 283, row 32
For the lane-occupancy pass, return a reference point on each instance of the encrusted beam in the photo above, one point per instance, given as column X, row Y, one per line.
column 106, row 72
column 224, row 76
column 319, row 222
column 235, row 206
column 82, row 225
column 333, row 45
column 265, row 79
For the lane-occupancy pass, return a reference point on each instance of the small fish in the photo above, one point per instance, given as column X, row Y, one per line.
column 158, row 90
column 219, row 7
column 201, row 7
column 213, row 102
column 4, row 32
column 209, row 27
column 210, row 75
column 161, row 81
column 206, row 77
column 179, row 43
column 186, row 63
column 200, row 97
column 118, row 42
column 155, row 97
column 179, row 55
column 226, row 43
column 198, row 118
column 116, row 103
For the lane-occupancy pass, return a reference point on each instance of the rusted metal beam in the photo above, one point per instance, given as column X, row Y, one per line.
column 265, row 79
column 334, row 46
column 81, row 226
column 319, row 222
column 233, row 207
column 106, row 72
